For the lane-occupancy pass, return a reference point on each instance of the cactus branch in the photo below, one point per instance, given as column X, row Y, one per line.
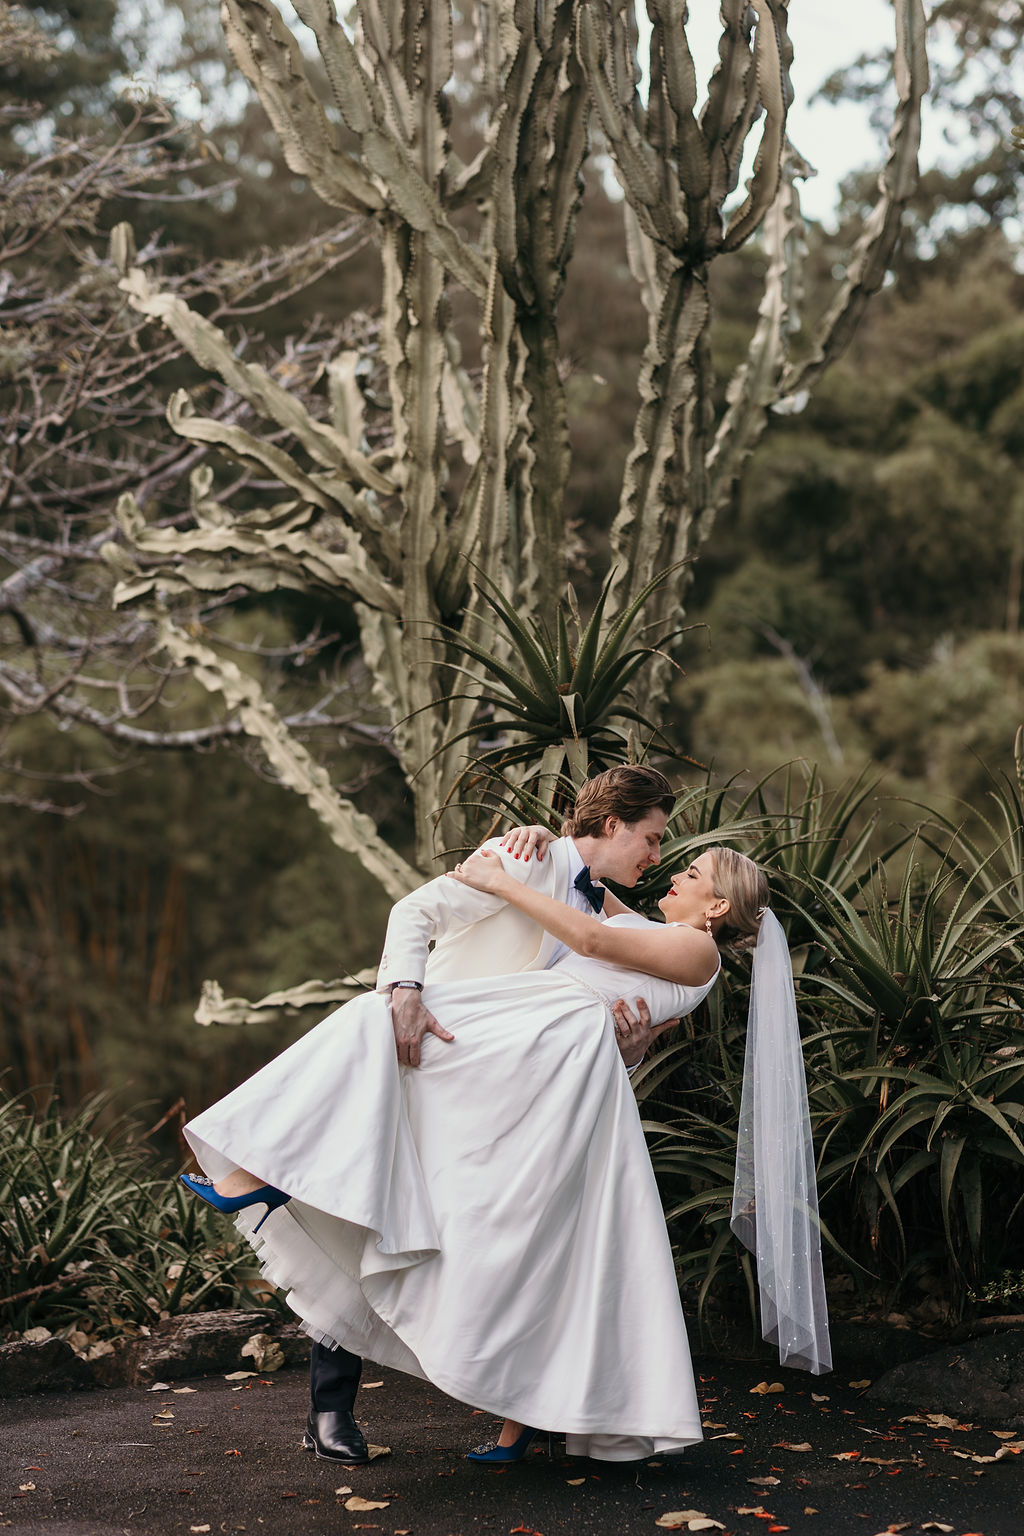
column 874, row 250
column 346, row 826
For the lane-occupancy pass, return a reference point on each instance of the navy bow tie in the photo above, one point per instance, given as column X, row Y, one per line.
column 593, row 893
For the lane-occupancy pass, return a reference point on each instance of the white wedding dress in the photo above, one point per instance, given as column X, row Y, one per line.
column 489, row 1221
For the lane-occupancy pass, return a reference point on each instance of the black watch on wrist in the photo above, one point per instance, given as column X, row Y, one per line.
column 416, row 985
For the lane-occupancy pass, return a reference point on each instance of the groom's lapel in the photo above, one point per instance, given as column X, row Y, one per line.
column 558, row 853
column 555, row 883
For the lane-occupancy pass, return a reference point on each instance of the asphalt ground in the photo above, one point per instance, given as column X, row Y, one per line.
column 221, row 1456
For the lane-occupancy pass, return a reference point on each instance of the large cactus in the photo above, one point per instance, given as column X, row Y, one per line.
column 394, row 528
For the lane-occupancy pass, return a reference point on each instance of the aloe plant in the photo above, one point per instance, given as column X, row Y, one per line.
column 921, row 1063
column 93, row 1233
column 910, row 999
column 560, row 708
column 999, row 871
column 803, row 833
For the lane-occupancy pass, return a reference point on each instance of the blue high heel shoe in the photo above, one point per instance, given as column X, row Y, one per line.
column 495, row 1455
column 266, row 1195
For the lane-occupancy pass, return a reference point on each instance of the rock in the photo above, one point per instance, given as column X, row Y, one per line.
column 983, row 1379
column 190, row 1345
column 115, row 1367
column 869, row 1349
column 858, row 1349
column 211, row 1341
column 47, row 1365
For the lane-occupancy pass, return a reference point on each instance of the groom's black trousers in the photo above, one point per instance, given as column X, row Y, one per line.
column 333, row 1379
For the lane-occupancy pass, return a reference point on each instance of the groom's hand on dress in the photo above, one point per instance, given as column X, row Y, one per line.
column 410, row 1022
column 634, row 1032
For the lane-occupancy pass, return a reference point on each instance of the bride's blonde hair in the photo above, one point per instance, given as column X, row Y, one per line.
column 745, row 886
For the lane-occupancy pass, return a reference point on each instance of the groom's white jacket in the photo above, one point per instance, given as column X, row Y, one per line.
column 476, row 934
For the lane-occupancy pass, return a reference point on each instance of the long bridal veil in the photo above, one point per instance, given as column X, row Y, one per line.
column 775, row 1196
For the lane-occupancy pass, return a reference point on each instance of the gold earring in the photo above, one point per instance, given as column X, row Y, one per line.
column 707, row 922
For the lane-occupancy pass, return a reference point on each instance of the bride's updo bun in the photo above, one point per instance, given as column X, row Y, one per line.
column 745, row 886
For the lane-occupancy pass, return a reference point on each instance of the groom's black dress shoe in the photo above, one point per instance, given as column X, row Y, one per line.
column 335, row 1436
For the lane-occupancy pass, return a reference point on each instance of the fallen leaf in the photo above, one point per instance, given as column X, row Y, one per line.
column 858, row 1385
column 708, row 1425
column 232, row 1453
column 368, row 1386
column 785, row 1445
column 356, row 1503
column 688, row 1519
column 765, row 1482
column 844, row 1455
column 198, row 1528
column 342, row 1491
column 934, row 1525
column 820, row 1397
column 26, row 1487
column 809, row 1509
column 239, row 1375
column 778, row 1528
column 732, row 1435
column 574, row 1482
column 160, row 1386
column 180, row 1391
column 378, row 1450
column 935, row 1420
column 750, row 1509
column 265, row 1352
column 764, row 1387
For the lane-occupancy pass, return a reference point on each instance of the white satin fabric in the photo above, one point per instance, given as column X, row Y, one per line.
column 489, row 1221
column 775, row 1194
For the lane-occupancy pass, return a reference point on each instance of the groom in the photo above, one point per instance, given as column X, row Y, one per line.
column 613, row 833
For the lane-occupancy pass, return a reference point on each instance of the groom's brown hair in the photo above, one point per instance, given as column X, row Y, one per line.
column 630, row 792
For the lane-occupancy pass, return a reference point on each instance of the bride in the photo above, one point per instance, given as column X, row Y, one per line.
column 490, row 1221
